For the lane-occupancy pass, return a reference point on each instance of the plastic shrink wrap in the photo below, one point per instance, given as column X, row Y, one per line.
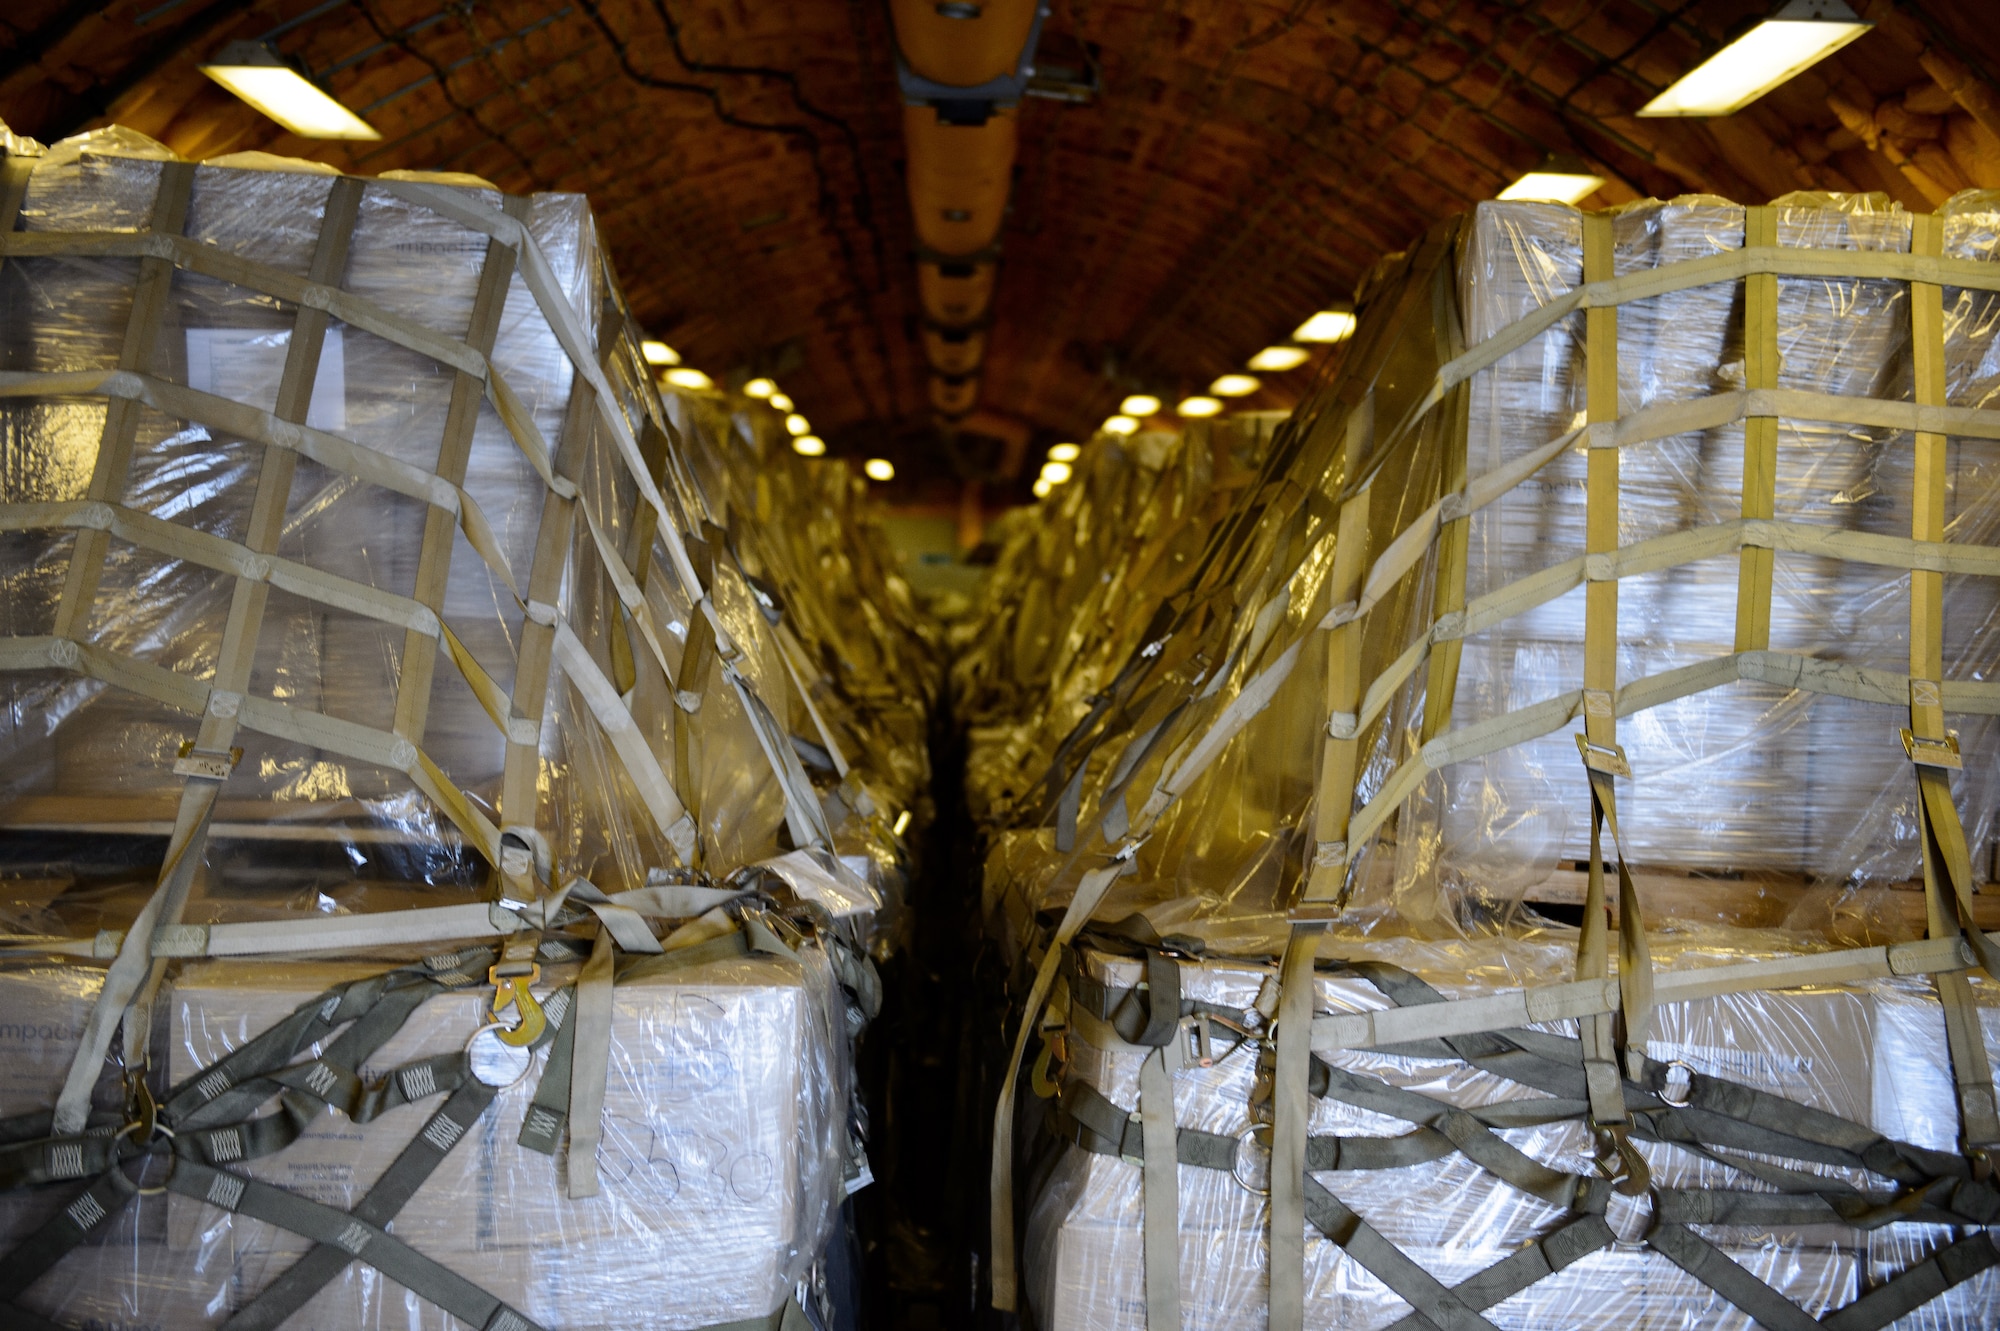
column 1078, row 583
column 1874, row 1056
column 1361, row 712
column 364, row 599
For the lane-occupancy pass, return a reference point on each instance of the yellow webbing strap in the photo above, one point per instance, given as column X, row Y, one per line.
column 1947, row 862
column 249, row 596
column 1290, row 1109
column 1090, row 890
column 1760, row 436
column 419, row 657
column 522, row 773
column 1453, row 566
column 129, row 973
column 1333, row 792
column 1600, row 674
column 1730, row 266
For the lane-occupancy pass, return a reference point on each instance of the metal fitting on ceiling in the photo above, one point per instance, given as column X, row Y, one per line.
column 958, row 178
column 954, row 350
column 954, row 291
column 954, row 395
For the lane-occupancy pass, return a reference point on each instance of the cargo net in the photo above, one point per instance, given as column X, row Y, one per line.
column 343, row 513
column 1723, row 474
column 1467, row 1162
column 311, row 499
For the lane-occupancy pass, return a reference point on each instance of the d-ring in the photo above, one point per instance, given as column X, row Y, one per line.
column 527, row 1062
column 1241, row 1138
column 1679, row 1098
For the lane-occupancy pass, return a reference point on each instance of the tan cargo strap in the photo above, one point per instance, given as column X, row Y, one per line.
column 1602, row 757
column 1090, row 891
column 1289, row 1109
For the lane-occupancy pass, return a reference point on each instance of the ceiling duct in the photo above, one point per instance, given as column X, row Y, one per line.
column 959, row 175
column 963, row 68
column 964, row 45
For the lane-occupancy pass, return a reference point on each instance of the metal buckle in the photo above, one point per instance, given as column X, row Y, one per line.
column 144, row 1127
column 1606, row 758
column 1933, row 752
column 203, row 763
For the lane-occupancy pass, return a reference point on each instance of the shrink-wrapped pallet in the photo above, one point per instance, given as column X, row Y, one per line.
column 1746, row 764
column 1872, row 1055
column 366, row 600
column 720, row 1164
column 1482, row 576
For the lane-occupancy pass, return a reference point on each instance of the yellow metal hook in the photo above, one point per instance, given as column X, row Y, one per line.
column 510, row 981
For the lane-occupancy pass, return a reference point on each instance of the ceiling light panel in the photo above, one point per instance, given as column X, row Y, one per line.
column 1797, row 37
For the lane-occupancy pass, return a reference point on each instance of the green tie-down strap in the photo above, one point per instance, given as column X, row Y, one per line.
column 362, row 1240
column 1710, row 1116
column 392, row 1190
column 205, row 1123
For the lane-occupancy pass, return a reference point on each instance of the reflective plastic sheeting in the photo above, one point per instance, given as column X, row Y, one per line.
column 1746, row 764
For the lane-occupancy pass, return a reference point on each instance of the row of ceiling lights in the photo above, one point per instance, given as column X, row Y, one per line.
column 804, row 442
column 1324, row 328
column 1799, row 35
column 968, row 56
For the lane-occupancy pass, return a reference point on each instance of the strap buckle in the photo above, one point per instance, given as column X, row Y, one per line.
column 1606, row 758
column 1933, row 752
column 510, row 981
column 204, row 763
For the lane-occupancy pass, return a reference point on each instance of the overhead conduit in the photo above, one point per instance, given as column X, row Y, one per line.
column 962, row 70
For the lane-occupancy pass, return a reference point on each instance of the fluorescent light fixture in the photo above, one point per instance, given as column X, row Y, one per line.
column 798, row 424
column 1139, row 404
column 1055, row 473
column 1065, row 453
column 682, row 376
column 809, row 446
column 1121, row 425
column 1043, row 488
column 1798, row 36
column 1276, row 360
column 779, row 402
column 1235, row 385
column 1326, row 326
column 1556, row 180
column 659, row 353
column 257, row 74
column 879, row 469
column 759, row 388
column 1199, row 407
